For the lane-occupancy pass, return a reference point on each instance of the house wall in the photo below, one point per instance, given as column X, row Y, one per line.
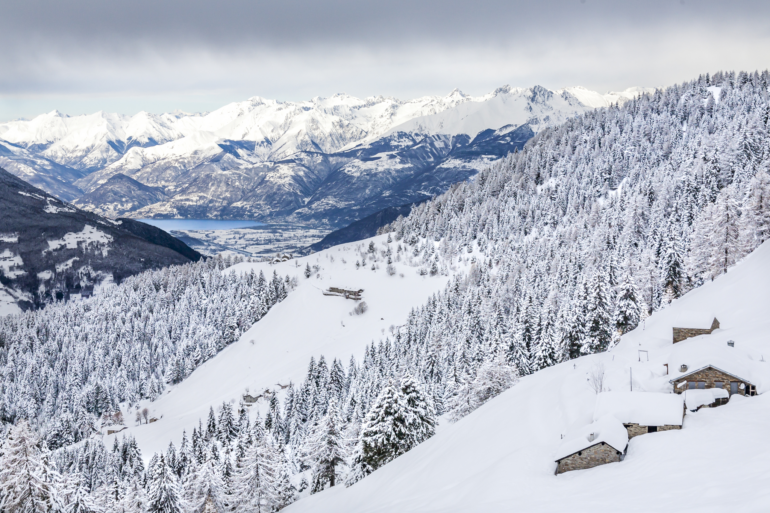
column 710, row 376
column 636, row 429
column 593, row 456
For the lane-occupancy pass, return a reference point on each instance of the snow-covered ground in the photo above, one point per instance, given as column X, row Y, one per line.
column 278, row 348
column 501, row 457
column 253, row 241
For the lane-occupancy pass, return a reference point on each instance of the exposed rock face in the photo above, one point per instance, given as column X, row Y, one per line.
column 50, row 250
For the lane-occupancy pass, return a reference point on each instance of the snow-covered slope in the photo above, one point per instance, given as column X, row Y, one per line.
column 262, row 158
column 501, row 457
column 277, row 349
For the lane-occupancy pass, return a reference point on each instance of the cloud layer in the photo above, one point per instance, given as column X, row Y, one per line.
column 82, row 55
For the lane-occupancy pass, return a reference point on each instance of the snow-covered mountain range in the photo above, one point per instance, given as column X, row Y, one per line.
column 333, row 159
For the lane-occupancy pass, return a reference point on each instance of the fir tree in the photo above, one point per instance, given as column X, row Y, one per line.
column 163, row 495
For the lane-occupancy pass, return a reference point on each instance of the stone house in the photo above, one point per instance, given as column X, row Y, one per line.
column 604, row 441
column 685, row 333
column 712, row 377
column 642, row 412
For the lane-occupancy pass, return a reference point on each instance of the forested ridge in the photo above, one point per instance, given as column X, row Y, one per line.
column 573, row 241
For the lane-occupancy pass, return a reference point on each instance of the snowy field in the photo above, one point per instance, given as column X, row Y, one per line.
column 278, row 348
column 266, row 240
column 501, row 457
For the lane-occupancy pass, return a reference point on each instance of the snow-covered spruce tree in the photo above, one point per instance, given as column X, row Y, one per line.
column 27, row 482
column 254, row 480
column 493, row 378
column 203, row 488
column 383, row 434
column 419, row 413
column 598, row 321
column 325, row 450
column 627, row 308
column 79, row 499
column 163, row 494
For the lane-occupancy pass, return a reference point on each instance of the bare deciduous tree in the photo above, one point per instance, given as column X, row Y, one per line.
column 596, row 378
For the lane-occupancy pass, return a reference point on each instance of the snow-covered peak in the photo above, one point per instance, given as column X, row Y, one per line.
column 281, row 128
column 597, row 100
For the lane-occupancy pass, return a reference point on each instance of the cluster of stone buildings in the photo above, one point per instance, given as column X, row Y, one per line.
column 712, row 378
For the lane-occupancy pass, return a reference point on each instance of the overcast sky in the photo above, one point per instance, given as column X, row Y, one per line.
column 81, row 56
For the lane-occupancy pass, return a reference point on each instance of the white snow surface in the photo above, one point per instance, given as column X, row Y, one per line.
column 643, row 408
column 696, row 398
column 500, row 457
column 278, row 348
column 606, row 429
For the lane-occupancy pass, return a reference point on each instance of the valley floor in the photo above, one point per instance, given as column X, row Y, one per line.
column 265, row 240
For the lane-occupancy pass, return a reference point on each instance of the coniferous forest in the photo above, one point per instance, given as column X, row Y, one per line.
column 570, row 242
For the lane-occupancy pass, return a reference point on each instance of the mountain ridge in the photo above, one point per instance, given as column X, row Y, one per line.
column 50, row 250
column 327, row 161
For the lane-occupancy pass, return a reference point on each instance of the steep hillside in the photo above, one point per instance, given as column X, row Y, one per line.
column 363, row 228
column 277, row 349
column 50, row 250
column 501, row 457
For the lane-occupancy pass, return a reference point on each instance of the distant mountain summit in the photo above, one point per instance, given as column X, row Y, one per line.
column 327, row 160
column 50, row 250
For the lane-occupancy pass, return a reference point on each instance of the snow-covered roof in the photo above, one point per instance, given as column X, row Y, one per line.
column 607, row 429
column 643, row 408
column 699, row 397
column 717, row 354
column 691, row 372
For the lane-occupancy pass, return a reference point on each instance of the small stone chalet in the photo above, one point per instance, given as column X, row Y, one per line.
column 642, row 412
column 713, row 373
column 712, row 377
column 604, row 441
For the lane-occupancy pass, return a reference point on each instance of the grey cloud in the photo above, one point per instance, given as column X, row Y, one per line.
column 296, row 49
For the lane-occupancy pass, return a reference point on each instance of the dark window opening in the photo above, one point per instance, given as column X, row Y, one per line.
column 701, row 385
column 652, row 429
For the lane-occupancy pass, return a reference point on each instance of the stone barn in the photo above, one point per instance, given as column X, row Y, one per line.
column 642, row 412
column 685, row 333
column 604, row 441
